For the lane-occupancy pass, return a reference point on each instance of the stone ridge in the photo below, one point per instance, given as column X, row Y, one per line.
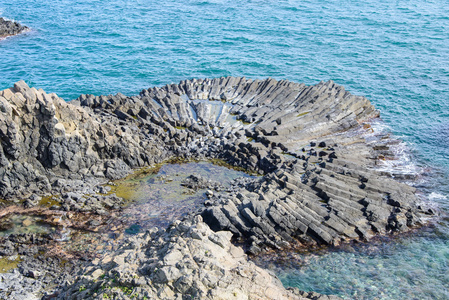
column 44, row 138
column 9, row 28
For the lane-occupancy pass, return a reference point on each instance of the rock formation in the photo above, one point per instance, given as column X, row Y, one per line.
column 313, row 145
column 45, row 139
column 188, row 261
column 9, row 28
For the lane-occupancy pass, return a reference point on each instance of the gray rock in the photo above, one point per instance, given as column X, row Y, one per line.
column 176, row 266
column 8, row 28
column 196, row 182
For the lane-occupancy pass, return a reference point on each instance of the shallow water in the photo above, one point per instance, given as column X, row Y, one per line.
column 19, row 224
column 154, row 199
column 394, row 52
column 159, row 199
column 412, row 267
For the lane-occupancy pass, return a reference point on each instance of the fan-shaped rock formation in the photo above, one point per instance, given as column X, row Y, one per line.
column 312, row 144
column 320, row 183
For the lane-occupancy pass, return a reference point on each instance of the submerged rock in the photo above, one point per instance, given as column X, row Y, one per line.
column 320, row 184
column 9, row 28
column 197, row 182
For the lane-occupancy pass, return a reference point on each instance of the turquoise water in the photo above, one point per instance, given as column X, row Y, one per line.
column 394, row 52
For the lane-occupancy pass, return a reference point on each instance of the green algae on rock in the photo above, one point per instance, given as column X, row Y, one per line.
column 8, row 263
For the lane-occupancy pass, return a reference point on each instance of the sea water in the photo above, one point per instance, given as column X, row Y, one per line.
column 394, row 52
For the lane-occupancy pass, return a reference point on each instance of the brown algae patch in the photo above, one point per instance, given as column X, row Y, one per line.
column 49, row 201
column 8, row 263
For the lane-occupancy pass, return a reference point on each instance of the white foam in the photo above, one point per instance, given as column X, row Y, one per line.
column 403, row 163
column 434, row 196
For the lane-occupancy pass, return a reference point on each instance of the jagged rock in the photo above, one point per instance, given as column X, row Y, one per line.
column 187, row 260
column 8, row 28
column 35, row 271
column 46, row 139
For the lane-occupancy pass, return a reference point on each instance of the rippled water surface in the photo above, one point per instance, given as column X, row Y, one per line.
column 394, row 52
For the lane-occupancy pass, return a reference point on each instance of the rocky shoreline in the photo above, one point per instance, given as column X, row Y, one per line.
column 10, row 28
column 320, row 184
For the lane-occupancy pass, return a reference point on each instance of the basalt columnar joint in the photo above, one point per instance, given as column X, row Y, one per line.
column 313, row 145
column 320, row 182
column 9, row 28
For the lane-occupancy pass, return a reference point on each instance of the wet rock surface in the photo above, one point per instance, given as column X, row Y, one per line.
column 314, row 146
column 9, row 28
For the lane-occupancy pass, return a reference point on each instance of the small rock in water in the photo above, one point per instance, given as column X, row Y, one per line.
column 209, row 193
column 94, row 223
column 27, row 222
column 9, row 28
column 34, row 274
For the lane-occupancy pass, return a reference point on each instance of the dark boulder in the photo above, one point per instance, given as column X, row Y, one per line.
column 9, row 28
